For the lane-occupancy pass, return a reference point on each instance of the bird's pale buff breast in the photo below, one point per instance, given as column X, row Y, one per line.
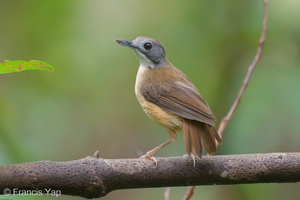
column 164, row 118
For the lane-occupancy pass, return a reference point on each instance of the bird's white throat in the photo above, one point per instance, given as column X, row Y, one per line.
column 144, row 61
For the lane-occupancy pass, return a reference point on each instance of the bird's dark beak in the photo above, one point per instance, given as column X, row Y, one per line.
column 126, row 43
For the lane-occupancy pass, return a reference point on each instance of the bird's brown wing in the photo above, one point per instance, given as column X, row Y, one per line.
column 180, row 98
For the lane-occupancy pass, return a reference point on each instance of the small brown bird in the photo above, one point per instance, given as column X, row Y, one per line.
column 169, row 97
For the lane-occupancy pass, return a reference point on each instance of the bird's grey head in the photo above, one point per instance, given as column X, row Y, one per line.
column 149, row 51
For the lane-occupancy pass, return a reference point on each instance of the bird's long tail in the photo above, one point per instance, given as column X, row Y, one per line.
column 198, row 133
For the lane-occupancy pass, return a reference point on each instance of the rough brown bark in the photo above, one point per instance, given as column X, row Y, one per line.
column 93, row 177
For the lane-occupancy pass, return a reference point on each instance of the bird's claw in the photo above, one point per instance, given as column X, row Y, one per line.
column 193, row 158
column 150, row 157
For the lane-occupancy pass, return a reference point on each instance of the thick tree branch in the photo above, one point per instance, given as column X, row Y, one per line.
column 93, row 177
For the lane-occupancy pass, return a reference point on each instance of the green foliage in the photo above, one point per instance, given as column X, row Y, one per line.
column 19, row 65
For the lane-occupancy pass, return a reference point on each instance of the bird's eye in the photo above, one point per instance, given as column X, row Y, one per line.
column 148, row 46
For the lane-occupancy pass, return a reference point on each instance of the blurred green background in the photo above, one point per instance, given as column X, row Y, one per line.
column 89, row 104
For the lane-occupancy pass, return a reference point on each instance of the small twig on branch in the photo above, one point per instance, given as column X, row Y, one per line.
column 189, row 193
column 237, row 100
column 167, row 193
column 251, row 67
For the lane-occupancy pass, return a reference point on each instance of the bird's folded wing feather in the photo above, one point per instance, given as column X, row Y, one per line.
column 181, row 98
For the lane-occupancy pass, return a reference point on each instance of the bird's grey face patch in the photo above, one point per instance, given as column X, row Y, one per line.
column 150, row 48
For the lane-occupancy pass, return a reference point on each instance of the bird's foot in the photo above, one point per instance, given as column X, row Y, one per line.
column 150, row 157
column 193, row 158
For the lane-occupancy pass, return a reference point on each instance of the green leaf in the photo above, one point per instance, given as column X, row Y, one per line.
column 19, row 65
